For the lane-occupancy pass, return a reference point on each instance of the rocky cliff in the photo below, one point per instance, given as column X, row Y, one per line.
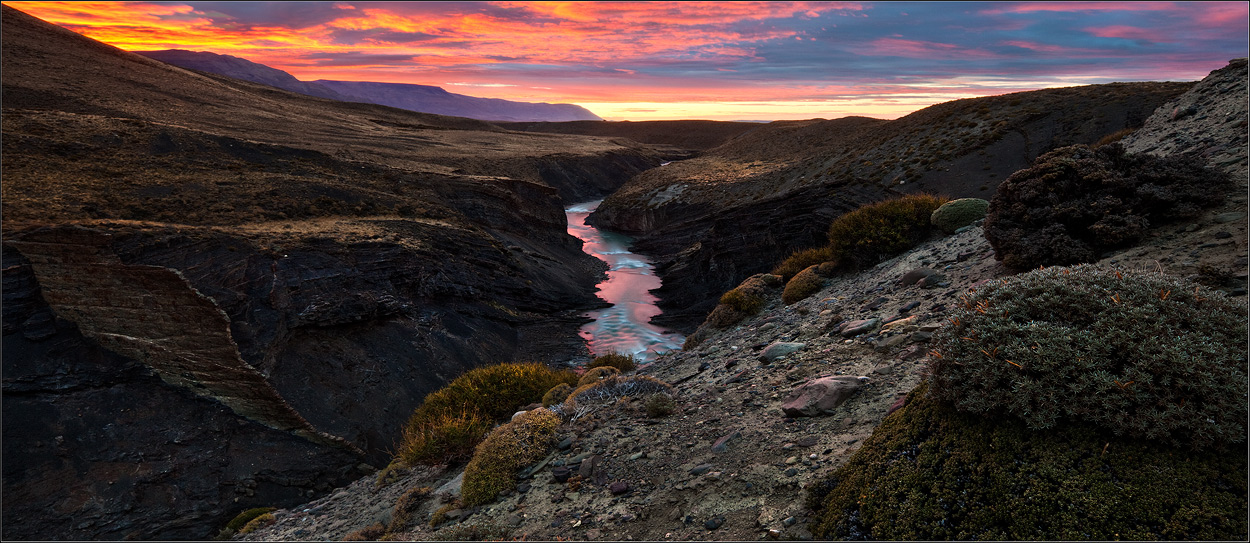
column 711, row 221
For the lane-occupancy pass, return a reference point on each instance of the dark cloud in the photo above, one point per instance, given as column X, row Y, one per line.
column 351, row 58
column 246, row 15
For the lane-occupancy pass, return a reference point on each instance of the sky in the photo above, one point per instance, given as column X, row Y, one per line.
column 694, row 60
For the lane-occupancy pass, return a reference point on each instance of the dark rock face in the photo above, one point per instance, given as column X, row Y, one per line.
column 98, row 446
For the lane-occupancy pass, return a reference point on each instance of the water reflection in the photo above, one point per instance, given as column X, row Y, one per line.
column 625, row 327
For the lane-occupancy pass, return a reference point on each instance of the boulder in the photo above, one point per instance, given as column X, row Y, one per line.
column 821, row 396
column 855, row 328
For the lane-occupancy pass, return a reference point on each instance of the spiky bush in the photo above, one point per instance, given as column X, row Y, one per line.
column 801, row 260
column 612, row 388
column 1139, row 354
column 1075, row 203
column 956, row 214
column 863, row 237
column 802, row 285
column 620, row 361
column 507, row 449
column 405, row 506
column 594, row 375
column 929, row 472
column 450, row 421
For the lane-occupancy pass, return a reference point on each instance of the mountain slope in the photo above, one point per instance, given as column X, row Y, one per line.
column 421, row 98
column 358, row 256
column 740, row 208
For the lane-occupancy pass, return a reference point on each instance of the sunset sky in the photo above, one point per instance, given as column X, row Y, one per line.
column 675, row 60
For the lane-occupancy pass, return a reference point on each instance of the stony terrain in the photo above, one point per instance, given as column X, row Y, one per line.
column 730, row 464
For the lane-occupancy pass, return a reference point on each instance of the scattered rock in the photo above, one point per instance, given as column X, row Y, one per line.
column 561, row 474
column 779, row 349
column 821, row 396
column 618, row 488
column 722, row 444
column 855, row 328
column 700, row 469
column 914, row 276
column 714, row 523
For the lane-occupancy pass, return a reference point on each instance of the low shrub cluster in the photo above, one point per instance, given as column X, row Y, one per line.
column 594, row 375
column 557, row 394
column 373, row 532
column 1075, row 203
column 623, row 362
column 1138, row 354
column 588, row 397
column 454, row 419
column 802, row 260
column 863, row 237
column 659, row 405
column 929, row 472
column 508, row 448
column 241, row 520
column 405, row 506
column 743, row 301
column 802, row 285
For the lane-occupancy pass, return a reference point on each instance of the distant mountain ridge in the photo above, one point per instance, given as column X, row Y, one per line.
column 421, row 98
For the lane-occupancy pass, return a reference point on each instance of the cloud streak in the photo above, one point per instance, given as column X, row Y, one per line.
column 806, row 59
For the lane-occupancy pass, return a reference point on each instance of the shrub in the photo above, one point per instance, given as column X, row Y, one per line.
column 1138, row 354
column 1074, row 203
column 804, row 284
column 929, row 472
column 373, row 532
column 557, row 394
column 863, row 237
column 587, row 397
column 623, row 362
column 1113, row 137
column 257, row 523
column 241, row 520
column 660, row 405
column 595, row 375
column 748, row 303
column 405, row 506
column 443, row 438
column 956, row 214
column 747, row 299
column 440, row 515
column 454, row 415
column 801, row 260
column 508, row 448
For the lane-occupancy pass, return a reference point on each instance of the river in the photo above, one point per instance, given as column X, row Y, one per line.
column 624, row 327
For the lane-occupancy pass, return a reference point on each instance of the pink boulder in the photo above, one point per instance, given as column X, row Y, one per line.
column 821, row 396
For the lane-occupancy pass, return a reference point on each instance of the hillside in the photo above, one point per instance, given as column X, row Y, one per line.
column 691, row 135
column 219, row 294
column 730, row 464
column 420, row 98
column 739, row 208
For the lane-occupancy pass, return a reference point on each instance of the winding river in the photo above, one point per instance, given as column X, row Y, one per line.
column 625, row 326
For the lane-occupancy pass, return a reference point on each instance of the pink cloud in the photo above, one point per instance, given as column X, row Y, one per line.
column 921, row 49
column 1125, row 32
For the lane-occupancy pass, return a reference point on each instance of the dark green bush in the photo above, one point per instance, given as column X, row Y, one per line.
column 801, row 260
column 804, row 284
column 863, row 237
column 1138, row 354
column 623, row 362
column 1075, row 203
column 956, row 214
column 929, row 472
column 453, row 415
